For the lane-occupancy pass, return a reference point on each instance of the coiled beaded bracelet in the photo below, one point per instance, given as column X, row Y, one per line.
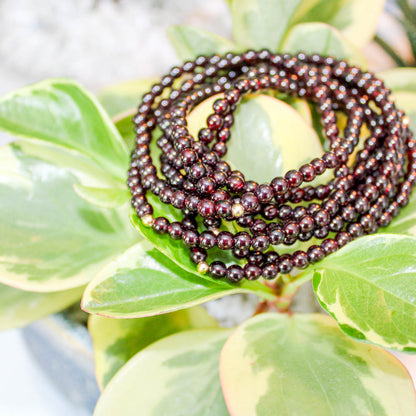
column 364, row 194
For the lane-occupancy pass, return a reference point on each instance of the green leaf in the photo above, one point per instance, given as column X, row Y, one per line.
column 144, row 282
column 287, row 141
column 178, row 253
column 177, row 375
column 323, row 39
column 356, row 19
column 50, row 238
column 62, row 112
column 400, row 79
column 117, row 340
column 189, row 42
column 262, row 23
column 121, row 97
column 103, row 197
column 369, row 287
column 303, row 365
column 19, row 308
column 125, row 126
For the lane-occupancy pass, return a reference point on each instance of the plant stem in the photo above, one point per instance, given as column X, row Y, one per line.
column 390, row 51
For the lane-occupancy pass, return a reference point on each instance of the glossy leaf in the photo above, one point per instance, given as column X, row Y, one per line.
column 144, row 282
column 124, row 125
column 178, row 253
column 103, row 197
column 369, row 288
column 50, row 238
column 322, row 39
column 356, row 19
column 177, row 375
column 19, row 308
column 261, row 24
column 117, row 340
column 189, row 42
column 121, row 97
column 303, row 365
column 62, row 112
column 287, row 141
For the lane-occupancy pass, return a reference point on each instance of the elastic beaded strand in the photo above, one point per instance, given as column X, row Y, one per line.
column 365, row 193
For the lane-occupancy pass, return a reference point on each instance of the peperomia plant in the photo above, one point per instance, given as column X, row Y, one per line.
column 66, row 232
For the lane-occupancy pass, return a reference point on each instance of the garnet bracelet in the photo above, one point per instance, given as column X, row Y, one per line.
column 367, row 190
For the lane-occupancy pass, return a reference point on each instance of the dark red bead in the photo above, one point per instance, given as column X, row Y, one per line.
column 269, row 271
column 206, row 208
column 160, row 225
column 190, row 238
column 175, row 230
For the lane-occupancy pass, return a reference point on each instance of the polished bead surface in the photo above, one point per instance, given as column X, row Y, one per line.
column 216, row 206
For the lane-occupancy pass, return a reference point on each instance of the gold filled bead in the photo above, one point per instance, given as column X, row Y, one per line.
column 202, row 267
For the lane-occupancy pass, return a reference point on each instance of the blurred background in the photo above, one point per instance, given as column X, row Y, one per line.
column 100, row 42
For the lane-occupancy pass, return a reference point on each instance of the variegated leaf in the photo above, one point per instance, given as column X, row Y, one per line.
column 117, row 340
column 177, row 375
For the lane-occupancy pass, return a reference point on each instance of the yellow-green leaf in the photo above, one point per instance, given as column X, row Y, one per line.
column 276, row 364
column 121, row 97
column 369, row 287
column 261, row 24
column 117, row 340
column 62, row 112
column 356, row 19
column 103, row 197
column 144, row 282
column 50, row 238
column 177, row 375
column 322, row 39
column 189, row 42
column 19, row 307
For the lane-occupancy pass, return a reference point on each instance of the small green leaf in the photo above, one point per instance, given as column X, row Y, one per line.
column 369, row 287
column 287, row 141
column 303, row 365
column 189, row 42
column 177, row 375
column 103, row 197
column 19, row 308
column 50, row 238
column 178, row 253
column 144, row 282
column 117, row 340
column 261, row 24
column 62, row 112
column 356, row 19
column 121, row 97
column 323, row 39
